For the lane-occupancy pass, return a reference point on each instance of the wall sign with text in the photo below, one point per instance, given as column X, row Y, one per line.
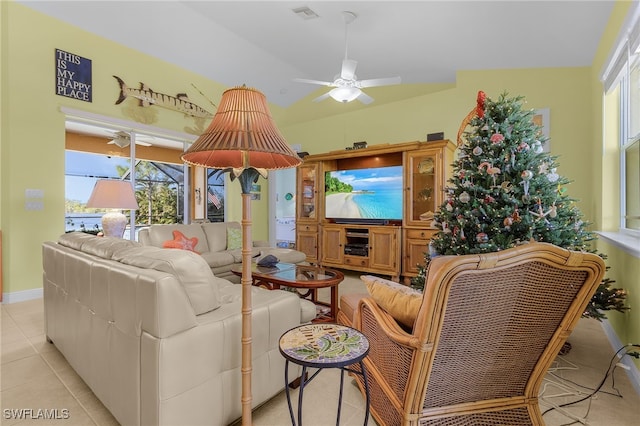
column 73, row 76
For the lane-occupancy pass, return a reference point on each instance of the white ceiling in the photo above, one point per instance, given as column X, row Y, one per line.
column 265, row 45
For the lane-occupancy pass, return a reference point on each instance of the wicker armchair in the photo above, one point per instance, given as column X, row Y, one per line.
column 487, row 330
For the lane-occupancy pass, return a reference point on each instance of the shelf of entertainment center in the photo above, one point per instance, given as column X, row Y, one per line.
column 357, row 234
column 366, row 248
column 393, row 238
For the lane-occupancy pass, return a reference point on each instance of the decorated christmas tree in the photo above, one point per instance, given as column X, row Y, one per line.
column 506, row 190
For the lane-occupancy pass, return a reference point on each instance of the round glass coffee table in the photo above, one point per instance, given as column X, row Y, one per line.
column 324, row 346
column 305, row 280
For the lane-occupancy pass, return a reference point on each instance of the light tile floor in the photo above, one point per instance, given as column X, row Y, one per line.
column 35, row 375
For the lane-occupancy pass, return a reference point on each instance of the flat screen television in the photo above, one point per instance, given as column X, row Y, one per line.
column 368, row 195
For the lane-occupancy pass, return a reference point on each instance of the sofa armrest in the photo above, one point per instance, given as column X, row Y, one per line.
column 143, row 236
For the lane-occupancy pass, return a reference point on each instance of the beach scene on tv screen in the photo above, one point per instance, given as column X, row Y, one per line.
column 373, row 193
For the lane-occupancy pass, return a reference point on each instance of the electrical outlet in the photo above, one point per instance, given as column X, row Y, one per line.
column 34, row 205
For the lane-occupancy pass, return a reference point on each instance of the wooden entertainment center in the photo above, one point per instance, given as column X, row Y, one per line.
column 387, row 247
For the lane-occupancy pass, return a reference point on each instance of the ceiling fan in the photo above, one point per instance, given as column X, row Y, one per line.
column 346, row 86
column 123, row 140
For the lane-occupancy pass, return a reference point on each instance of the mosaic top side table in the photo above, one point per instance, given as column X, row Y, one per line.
column 324, row 346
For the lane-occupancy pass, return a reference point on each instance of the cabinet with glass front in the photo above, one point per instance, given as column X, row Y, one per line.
column 426, row 172
column 307, row 192
column 306, row 211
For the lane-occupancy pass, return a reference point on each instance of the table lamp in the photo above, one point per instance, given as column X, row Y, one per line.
column 243, row 140
column 117, row 195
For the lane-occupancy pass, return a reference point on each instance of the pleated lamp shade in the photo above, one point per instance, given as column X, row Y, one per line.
column 242, row 134
column 113, row 194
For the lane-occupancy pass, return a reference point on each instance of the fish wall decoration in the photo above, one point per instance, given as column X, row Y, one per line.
column 148, row 97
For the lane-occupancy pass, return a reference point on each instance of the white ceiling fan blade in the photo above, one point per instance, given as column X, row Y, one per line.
column 120, row 143
column 143, row 143
column 380, row 82
column 348, row 69
column 364, row 98
column 321, row 83
column 321, row 97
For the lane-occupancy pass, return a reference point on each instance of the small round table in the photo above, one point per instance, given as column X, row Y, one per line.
column 324, row 346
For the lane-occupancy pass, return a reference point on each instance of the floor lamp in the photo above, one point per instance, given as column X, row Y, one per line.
column 243, row 140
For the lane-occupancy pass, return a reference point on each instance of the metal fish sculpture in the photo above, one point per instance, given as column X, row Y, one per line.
column 148, row 97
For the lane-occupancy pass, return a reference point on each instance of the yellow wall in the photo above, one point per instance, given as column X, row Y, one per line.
column 32, row 131
column 565, row 91
column 33, row 127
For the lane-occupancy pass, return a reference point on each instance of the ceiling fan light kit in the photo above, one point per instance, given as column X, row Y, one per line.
column 345, row 94
column 121, row 142
column 346, row 86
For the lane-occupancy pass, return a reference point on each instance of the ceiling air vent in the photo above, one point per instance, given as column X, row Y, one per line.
column 305, row 13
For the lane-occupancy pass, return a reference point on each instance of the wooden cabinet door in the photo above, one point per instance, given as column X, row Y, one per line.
column 332, row 244
column 308, row 242
column 416, row 244
column 415, row 251
column 384, row 249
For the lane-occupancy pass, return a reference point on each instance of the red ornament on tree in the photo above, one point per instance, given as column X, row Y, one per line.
column 480, row 103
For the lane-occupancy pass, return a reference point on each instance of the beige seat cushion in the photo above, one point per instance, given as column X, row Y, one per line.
column 283, row 255
column 216, row 234
column 400, row 301
column 349, row 305
column 75, row 240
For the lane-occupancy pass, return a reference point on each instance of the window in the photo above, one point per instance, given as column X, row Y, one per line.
column 159, row 189
column 622, row 77
column 215, row 195
column 630, row 146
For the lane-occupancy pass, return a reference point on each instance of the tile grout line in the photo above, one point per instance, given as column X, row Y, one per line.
column 48, row 364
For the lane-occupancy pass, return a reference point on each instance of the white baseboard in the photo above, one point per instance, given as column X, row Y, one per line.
column 632, row 372
column 22, row 296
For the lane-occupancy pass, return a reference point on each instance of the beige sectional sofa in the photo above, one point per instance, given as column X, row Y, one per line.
column 213, row 244
column 156, row 335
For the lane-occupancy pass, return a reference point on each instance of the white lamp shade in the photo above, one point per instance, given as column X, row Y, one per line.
column 345, row 94
column 113, row 194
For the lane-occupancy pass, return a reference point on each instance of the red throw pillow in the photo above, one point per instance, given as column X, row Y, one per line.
column 181, row 242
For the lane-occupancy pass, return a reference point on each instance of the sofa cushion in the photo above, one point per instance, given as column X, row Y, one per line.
column 75, row 240
column 216, row 233
column 219, row 258
column 234, row 238
column 400, row 301
column 105, row 247
column 158, row 234
column 283, row 255
column 180, row 241
column 189, row 268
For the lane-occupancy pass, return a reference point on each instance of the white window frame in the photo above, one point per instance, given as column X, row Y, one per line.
column 617, row 69
column 627, row 139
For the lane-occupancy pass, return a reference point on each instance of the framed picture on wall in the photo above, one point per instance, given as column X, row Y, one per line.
column 541, row 118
